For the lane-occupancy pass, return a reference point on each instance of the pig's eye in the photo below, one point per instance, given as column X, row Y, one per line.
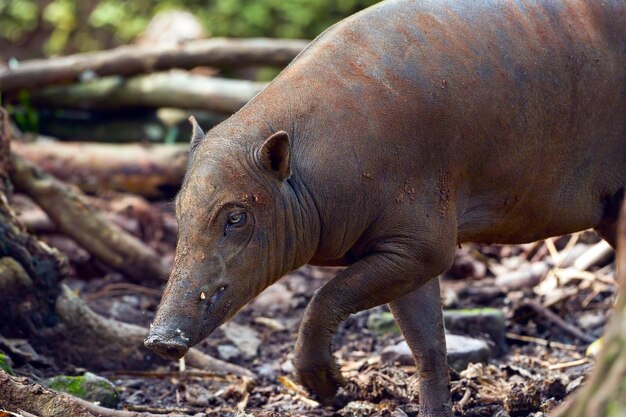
column 236, row 219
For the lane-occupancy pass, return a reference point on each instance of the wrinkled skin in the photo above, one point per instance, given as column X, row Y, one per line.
column 399, row 133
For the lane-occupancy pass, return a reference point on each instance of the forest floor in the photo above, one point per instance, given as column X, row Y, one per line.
column 539, row 365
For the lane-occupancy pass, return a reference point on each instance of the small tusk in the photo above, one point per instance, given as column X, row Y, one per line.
column 202, row 295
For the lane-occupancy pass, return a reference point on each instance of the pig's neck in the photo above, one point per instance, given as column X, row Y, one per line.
column 302, row 224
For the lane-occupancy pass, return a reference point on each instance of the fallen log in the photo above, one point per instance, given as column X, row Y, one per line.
column 153, row 171
column 176, row 89
column 75, row 218
column 137, row 59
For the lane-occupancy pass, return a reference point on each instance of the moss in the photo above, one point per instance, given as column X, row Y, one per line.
column 71, row 384
column 381, row 323
column 5, row 364
column 89, row 387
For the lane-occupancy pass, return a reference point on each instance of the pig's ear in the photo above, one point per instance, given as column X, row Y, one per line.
column 197, row 135
column 275, row 154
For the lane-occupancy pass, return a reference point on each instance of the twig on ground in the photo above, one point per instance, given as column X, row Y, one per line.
column 558, row 321
column 541, row 342
column 466, row 397
column 568, row 364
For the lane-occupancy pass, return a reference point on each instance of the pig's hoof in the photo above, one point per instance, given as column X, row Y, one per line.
column 322, row 380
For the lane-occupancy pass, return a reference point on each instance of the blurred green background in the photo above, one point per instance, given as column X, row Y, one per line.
column 45, row 28
column 36, row 28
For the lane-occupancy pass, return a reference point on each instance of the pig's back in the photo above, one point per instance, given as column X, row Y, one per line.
column 520, row 106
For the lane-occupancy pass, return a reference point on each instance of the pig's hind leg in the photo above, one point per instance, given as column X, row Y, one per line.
column 420, row 319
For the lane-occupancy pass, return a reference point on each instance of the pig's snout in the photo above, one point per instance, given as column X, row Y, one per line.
column 167, row 347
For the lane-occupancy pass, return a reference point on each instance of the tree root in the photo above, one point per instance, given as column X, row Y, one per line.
column 98, row 343
column 74, row 217
column 27, row 398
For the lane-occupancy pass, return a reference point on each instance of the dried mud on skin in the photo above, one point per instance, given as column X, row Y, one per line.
column 530, row 379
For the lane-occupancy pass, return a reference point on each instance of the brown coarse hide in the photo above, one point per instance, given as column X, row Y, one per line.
column 397, row 134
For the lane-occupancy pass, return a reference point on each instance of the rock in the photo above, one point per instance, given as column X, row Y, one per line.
column 89, row 387
column 6, row 364
column 461, row 351
column 399, row 353
column 288, row 367
column 244, row 337
column 266, row 370
column 471, row 322
column 478, row 322
column 228, row 352
column 382, row 322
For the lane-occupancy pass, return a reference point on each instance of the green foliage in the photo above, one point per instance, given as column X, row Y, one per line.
column 17, row 17
column 82, row 25
column 24, row 114
column 5, row 364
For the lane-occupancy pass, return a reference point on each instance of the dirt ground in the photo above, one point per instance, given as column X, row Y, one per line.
column 542, row 364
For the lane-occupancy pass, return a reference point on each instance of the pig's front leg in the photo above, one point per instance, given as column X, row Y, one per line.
column 420, row 319
column 379, row 278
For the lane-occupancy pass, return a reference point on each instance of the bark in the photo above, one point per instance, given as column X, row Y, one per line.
column 136, row 59
column 19, row 394
column 29, row 270
column 74, row 217
column 169, row 89
column 27, row 398
column 154, row 171
column 604, row 394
